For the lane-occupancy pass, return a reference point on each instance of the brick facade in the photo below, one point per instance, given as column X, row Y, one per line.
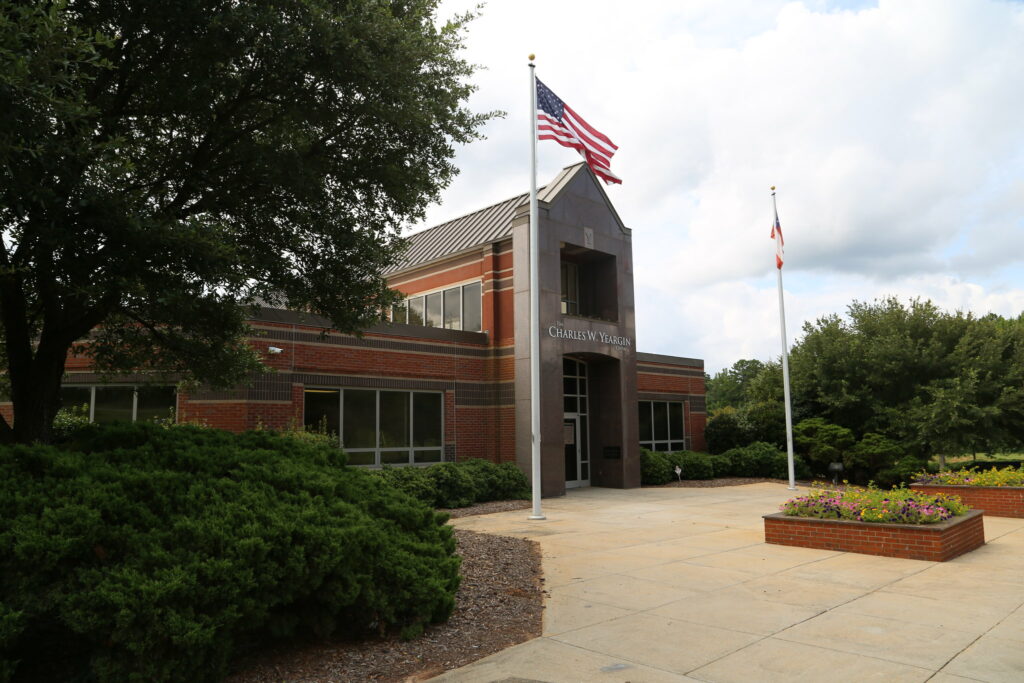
column 483, row 375
column 933, row 542
column 996, row 501
column 681, row 380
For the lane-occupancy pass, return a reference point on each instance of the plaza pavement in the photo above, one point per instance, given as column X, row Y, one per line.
column 676, row 584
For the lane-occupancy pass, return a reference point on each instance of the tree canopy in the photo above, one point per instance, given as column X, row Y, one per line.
column 900, row 379
column 167, row 165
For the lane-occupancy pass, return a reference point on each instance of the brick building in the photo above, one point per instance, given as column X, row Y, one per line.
column 448, row 378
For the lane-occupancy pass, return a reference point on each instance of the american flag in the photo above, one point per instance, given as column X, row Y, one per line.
column 777, row 236
column 557, row 121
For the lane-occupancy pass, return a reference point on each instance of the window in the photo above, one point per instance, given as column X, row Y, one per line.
column 471, row 313
column 570, row 288
column 416, row 311
column 455, row 308
column 588, row 283
column 121, row 403
column 380, row 427
column 661, row 426
column 574, row 398
column 435, row 309
column 400, row 313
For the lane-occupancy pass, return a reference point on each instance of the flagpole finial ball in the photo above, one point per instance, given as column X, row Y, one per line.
column 532, row 56
column 773, row 188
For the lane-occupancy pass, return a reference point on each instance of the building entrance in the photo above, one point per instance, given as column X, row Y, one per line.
column 575, row 426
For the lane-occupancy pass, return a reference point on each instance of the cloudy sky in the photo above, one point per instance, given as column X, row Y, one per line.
column 893, row 130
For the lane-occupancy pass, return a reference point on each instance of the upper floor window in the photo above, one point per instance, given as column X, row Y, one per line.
column 570, row 288
column 455, row 308
column 589, row 285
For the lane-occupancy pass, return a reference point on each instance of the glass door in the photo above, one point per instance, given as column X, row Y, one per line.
column 575, row 424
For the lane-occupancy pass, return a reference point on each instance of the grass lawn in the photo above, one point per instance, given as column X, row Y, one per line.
column 966, row 460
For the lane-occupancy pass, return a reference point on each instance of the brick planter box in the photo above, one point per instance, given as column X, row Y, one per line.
column 935, row 542
column 996, row 501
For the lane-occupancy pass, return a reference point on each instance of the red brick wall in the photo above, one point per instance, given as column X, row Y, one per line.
column 933, row 542
column 996, row 501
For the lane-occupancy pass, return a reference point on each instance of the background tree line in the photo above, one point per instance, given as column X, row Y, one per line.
column 884, row 389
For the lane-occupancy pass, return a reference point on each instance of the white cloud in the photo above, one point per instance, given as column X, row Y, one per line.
column 893, row 132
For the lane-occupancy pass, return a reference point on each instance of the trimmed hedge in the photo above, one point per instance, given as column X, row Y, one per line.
column 455, row 485
column 759, row 459
column 140, row 553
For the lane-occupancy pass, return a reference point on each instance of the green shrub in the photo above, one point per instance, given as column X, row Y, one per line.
column 725, row 431
column 496, row 482
column 780, row 469
column 765, row 421
column 720, row 465
column 454, row 485
column 693, row 465
column 870, row 456
column 411, row 480
column 759, row 459
column 153, row 554
column 655, row 468
column 69, row 420
column 822, row 442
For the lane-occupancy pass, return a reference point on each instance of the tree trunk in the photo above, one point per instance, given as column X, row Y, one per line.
column 35, row 394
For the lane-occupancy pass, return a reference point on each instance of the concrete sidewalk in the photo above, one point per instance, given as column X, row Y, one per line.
column 677, row 584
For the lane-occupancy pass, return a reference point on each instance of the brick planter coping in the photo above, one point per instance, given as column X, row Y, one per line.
column 935, row 542
column 996, row 501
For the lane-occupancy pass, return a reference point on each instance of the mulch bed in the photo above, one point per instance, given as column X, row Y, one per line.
column 499, row 604
column 487, row 508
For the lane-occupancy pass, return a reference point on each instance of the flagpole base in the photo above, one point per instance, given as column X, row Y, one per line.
column 536, row 517
column 793, row 488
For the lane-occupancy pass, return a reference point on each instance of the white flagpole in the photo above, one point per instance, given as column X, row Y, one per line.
column 785, row 364
column 534, row 304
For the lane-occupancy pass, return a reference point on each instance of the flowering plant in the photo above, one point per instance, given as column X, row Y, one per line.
column 899, row 505
column 1008, row 476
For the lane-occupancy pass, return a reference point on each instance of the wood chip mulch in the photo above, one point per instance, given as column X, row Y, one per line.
column 487, row 508
column 499, row 604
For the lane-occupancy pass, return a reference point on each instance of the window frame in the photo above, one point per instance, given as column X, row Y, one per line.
column 460, row 321
column 569, row 288
column 135, row 397
column 671, row 438
column 377, row 449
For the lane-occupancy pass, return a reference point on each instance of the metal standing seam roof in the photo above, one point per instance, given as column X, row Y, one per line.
column 487, row 225
column 490, row 224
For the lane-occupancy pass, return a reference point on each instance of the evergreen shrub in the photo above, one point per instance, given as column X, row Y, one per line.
column 155, row 554
column 693, row 465
column 496, row 482
column 655, row 468
column 453, row 485
column 903, row 471
column 761, row 459
column 725, row 431
column 720, row 465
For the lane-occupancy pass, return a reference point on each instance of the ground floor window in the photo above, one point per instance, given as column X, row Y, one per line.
column 379, row 426
column 121, row 403
column 661, row 426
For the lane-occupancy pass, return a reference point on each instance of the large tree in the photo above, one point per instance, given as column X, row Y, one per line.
column 165, row 165
column 934, row 381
